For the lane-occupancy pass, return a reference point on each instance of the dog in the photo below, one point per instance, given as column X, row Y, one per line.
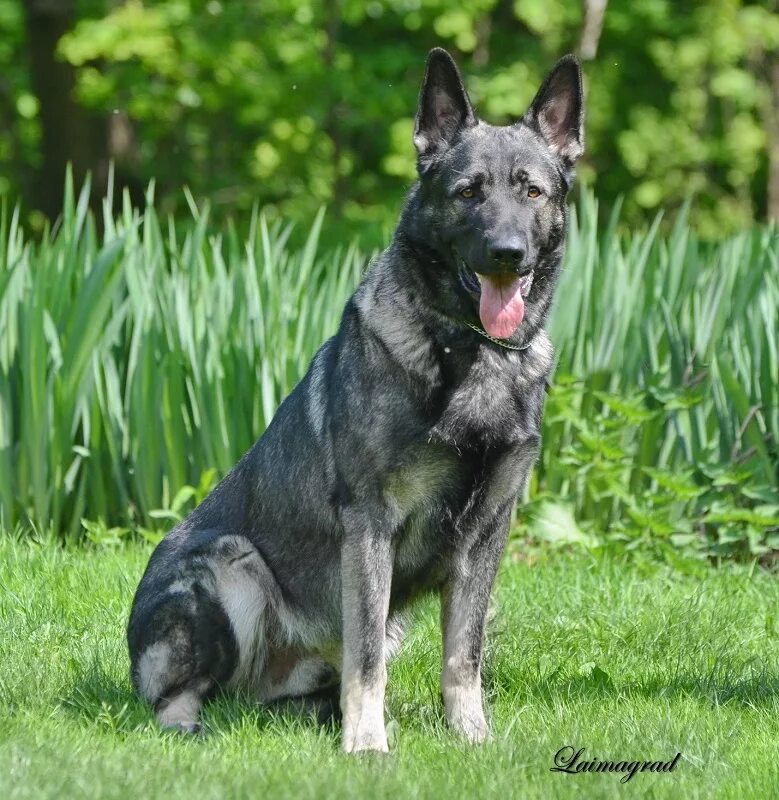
column 392, row 468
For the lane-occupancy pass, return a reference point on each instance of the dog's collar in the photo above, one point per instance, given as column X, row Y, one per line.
column 500, row 342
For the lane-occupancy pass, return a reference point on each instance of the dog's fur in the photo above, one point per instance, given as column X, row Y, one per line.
column 393, row 466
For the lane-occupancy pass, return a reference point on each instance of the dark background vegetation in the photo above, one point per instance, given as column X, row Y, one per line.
column 295, row 104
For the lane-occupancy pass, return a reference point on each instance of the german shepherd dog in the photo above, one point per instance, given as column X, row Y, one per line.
column 392, row 468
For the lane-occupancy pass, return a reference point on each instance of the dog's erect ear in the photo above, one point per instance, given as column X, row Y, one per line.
column 444, row 107
column 558, row 109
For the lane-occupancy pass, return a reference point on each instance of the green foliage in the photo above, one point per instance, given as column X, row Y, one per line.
column 19, row 108
column 673, row 411
column 296, row 104
column 131, row 365
column 694, row 325
column 611, row 458
column 138, row 364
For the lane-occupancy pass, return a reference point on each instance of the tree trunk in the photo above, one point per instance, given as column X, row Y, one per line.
column 594, row 12
column 69, row 134
column 332, row 123
column 481, row 53
column 772, row 132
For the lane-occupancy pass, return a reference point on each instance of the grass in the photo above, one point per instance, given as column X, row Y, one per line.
column 625, row 658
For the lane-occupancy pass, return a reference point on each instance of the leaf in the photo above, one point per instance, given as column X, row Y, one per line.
column 632, row 409
column 595, row 675
column 678, row 483
column 184, row 494
column 554, row 523
column 653, row 519
column 164, row 513
column 760, row 516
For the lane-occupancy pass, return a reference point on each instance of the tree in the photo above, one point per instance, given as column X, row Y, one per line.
column 69, row 132
column 296, row 103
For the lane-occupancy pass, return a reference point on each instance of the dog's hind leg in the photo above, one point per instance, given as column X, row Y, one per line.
column 187, row 651
column 302, row 686
column 181, row 712
column 198, row 624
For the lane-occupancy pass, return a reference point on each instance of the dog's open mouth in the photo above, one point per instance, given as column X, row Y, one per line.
column 501, row 299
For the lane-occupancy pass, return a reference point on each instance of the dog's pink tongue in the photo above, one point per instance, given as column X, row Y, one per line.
column 501, row 307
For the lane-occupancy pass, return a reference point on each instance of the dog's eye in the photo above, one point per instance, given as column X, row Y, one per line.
column 467, row 193
column 533, row 192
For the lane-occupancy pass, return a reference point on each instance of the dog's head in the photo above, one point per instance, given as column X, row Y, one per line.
column 491, row 200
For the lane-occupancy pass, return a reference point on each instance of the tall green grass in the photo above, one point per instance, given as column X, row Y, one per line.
column 663, row 424
column 679, row 318
column 138, row 361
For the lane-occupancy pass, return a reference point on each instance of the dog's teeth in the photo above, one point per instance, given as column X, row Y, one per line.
column 479, row 278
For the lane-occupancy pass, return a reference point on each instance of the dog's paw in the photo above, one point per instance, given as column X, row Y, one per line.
column 470, row 723
column 474, row 729
column 365, row 740
column 184, row 728
column 464, row 711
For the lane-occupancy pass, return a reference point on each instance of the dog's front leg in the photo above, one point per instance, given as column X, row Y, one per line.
column 464, row 604
column 366, row 574
column 466, row 594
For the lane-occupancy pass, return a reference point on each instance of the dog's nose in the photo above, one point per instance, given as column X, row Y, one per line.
column 510, row 254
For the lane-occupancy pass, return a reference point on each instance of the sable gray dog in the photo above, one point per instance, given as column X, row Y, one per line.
column 392, row 468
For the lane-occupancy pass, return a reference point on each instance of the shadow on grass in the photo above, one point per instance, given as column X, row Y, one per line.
column 99, row 699
column 727, row 683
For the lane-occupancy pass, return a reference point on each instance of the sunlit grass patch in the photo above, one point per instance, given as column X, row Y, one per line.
column 629, row 660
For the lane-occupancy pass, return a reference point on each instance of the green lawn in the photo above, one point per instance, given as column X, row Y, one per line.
column 626, row 659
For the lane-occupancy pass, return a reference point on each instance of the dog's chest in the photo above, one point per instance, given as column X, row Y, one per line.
column 429, row 496
column 470, row 449
column 484, row 406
